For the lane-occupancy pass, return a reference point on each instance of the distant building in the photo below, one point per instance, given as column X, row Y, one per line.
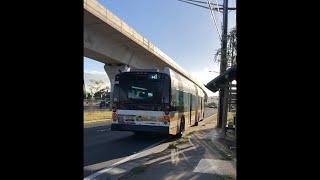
column 214, row 99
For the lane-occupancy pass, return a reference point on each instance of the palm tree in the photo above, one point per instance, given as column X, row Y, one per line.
column 231, row 49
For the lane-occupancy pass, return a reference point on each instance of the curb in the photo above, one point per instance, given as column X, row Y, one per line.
column 95, row 121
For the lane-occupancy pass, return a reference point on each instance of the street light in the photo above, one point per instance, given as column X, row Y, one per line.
column 214, row 71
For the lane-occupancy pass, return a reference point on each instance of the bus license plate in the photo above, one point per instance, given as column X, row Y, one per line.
column 129, row 119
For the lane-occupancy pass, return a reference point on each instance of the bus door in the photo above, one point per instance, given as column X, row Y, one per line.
column 201, row 107
column 190, row 95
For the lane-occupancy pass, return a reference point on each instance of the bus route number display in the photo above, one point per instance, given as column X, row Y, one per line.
column 154, row 76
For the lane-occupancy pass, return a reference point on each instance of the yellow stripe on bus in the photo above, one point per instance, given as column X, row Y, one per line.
column 172, row 118
column 176, row 115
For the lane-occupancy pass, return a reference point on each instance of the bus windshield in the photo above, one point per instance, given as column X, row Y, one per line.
column 146, row 91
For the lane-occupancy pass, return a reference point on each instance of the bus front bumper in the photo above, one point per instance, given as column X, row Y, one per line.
column 140, row 128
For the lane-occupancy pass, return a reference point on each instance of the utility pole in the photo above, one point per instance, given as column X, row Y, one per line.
column 223, row 63
column 222, row 113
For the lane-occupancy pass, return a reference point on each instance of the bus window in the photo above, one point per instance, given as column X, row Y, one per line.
column 186, row 100
column 193, row 103
column 166, row 89
column 146, row 91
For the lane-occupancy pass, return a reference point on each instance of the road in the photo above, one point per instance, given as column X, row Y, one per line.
column 103, row 147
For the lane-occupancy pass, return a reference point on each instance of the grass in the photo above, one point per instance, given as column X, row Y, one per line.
column 183, row 139
column 230, row 117
column 139, row 169
column 179, row 141
column 191, row 132
column 96, row 115
column 228, row 152
column 172, row 146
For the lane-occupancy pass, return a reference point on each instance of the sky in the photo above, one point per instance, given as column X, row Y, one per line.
column 184, row 32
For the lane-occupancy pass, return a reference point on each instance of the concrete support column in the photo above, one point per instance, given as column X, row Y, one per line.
column 112, row 70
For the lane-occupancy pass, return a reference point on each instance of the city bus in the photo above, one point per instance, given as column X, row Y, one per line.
column 152, row 101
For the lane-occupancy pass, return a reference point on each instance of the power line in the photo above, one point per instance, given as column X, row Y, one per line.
column 194, row 4
column 215, row 8
column 214, row 20
column 205, row 2
column 219, row 13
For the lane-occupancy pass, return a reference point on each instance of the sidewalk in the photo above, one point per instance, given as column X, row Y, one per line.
column 197, row 155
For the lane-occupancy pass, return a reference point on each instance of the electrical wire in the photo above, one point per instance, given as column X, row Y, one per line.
column 205, row 2
column 214, row 20
column 219, row 13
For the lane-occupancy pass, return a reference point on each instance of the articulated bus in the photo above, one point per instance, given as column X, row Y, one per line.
column 151, row 101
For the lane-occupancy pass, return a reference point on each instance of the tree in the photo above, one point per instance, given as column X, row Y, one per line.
column 231, row 49
column 94, row 86
column 102, row 93
column 85, row 94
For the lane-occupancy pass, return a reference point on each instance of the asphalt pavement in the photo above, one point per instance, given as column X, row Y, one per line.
column 103, row 147
column 199, row 154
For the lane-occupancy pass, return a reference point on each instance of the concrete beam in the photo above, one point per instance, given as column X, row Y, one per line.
column 110, row 40
column 103, row 48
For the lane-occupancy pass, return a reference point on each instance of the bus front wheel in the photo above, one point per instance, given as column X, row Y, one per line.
column 197, row 122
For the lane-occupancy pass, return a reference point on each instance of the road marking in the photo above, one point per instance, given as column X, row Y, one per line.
column 100, row 130
column 129, row 158
column 124, row 160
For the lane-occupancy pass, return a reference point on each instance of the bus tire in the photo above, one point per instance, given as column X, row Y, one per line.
column 197, row 122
